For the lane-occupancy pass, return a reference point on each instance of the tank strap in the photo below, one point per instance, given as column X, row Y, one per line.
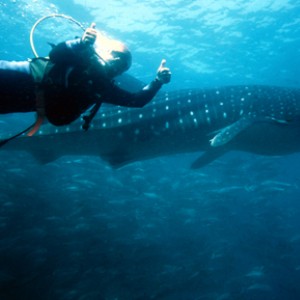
column 39, row 67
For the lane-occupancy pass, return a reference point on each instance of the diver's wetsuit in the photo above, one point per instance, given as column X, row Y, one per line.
column 73, row 84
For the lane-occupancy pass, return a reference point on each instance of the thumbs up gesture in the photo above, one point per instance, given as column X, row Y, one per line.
column 163, row 73
column 90, row 35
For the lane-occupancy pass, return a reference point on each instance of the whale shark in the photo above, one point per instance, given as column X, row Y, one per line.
column 212, row 121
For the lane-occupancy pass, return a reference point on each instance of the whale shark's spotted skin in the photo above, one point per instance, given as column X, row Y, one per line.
column 248, row 118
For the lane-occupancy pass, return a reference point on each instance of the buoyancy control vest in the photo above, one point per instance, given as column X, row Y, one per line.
column 51, row 81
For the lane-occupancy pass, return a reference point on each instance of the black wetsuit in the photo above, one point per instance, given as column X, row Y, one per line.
column 74, row 83
column 17, row 87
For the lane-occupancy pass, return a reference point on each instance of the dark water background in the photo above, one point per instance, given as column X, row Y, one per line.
column 77, row 229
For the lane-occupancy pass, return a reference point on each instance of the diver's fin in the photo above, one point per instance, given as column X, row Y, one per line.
column 207, row 157
column 228, row 133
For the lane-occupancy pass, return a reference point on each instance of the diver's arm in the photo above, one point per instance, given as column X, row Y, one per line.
column 118, row 96
column 121, row 97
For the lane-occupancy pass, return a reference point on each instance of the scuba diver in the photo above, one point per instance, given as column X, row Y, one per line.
column 77, row 77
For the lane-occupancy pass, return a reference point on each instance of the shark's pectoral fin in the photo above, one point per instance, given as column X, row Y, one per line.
column 280, row 121
column 228, row 133
column 207, row 157
column 117, row 159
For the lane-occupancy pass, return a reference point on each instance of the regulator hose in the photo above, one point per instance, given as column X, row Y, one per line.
column 45, row 18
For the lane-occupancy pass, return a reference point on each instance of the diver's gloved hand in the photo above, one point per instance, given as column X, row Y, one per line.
column 163, row 74
column 90, row 35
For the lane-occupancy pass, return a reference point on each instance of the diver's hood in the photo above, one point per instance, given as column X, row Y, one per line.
column 103, row 46
column 108, row 49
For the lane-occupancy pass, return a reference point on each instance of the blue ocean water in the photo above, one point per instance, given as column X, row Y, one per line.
column 77, row 229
